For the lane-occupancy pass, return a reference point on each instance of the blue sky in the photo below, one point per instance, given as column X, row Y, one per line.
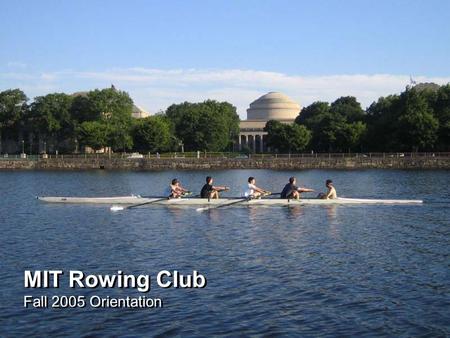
column 170, row 51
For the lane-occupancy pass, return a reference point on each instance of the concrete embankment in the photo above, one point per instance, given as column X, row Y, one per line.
column 226, row 163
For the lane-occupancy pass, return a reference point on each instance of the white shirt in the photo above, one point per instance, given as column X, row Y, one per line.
column 249, row 190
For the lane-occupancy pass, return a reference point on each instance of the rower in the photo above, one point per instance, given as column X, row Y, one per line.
column 291, row 191
column 331, row 191
column 210, row 191
column 176, row 190
column 252, row 191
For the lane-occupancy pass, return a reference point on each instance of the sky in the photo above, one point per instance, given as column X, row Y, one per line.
column 164, row 52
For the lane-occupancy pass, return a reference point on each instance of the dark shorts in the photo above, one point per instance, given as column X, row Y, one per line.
column 206, row 194
column 289, row 195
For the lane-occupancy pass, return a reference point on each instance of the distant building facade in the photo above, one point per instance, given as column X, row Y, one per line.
column 271, row 106
column 139, row 113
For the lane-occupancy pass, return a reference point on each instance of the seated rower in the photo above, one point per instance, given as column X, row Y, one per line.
column 210, row 191
column 291, row 191
column 331, row 192
column 252, row 191
column 176, row 190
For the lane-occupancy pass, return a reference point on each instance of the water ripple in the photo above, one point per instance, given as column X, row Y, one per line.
column 309, row 271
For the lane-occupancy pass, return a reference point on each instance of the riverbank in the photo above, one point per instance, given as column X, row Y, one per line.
column 297, row 163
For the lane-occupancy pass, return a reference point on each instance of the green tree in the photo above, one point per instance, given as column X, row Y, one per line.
column 298, row 137
column 153, row 134
column 13, row 108
column 335, row 127
column 82, row 109
column 114, row 108
column 349, row 108
column 229, row 114
column 417, row 127
column 419, row 130
column 327, row 131
column 442, row 113
column 50, row 117
column 404, row 122
column 175, row 112
column 312, row 114
column 350, row 136
column 382, row 117
column 287, row 138
column 209, row 125
column 93, row 134
column 276, row 135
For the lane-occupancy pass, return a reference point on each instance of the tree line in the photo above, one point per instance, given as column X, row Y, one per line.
column 103, row 118
column 418, row 119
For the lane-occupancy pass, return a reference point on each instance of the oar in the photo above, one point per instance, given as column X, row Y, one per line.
column 223, row 205
column 232, row 203
column 119, row 208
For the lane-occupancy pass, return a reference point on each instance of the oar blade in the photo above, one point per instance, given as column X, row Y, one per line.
column 116, row 208
column 202, row 209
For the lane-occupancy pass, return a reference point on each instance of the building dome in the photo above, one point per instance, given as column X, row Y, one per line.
column 273, row 106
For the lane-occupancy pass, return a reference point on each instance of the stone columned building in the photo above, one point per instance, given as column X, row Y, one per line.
column 271, row 106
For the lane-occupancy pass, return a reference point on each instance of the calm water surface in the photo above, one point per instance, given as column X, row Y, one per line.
column 292, row 271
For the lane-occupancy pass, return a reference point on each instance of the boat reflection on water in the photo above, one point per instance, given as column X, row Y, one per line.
column 253, row 214
column 215, row 215
column 178, row 213
column 295, row 211
column 331, row 212
column 334, row 229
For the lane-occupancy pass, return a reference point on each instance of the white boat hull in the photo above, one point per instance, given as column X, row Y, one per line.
column 95, row 200
column 130, row 200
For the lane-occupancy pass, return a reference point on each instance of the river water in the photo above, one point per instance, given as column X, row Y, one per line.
column 293, row 271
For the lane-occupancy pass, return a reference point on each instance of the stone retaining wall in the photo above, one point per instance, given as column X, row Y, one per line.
column 211, row 163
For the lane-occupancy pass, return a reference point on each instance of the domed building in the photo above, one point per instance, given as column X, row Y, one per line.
column 271, row 106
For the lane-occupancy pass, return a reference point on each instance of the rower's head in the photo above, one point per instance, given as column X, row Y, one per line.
column 329, row 183
column 175, row 181
column 251, row 180
column 209, row 179
column 292, row 180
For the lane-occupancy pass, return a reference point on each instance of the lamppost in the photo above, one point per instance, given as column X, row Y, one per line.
column 23, row 155
column 44, row 154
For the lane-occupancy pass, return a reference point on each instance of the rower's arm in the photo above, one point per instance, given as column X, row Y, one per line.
column 220, row 188
column 305, row 190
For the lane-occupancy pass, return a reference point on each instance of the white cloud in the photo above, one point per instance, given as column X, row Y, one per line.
column 16, row 64
column 155, row 89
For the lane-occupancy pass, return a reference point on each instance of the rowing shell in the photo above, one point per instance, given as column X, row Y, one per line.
column 204, row 202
